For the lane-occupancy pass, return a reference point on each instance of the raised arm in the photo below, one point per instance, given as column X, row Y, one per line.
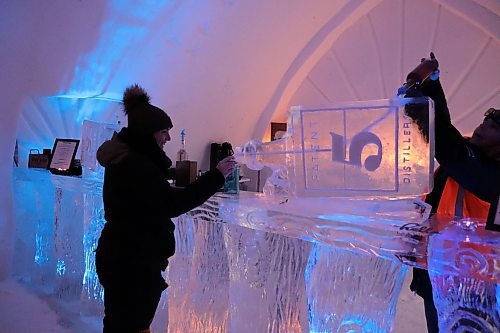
column 462, row 161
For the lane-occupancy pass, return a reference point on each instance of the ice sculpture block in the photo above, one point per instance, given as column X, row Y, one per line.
column 236, row 259
column 79, row 219
column 33, row 195
column 93, row 135
column 463, row 263
column 369, row 148
column 68, row 247
column 370, row 231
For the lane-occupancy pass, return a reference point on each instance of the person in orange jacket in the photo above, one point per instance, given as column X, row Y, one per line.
column 468, row 178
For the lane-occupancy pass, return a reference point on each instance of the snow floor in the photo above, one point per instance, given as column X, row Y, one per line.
column 22, row 311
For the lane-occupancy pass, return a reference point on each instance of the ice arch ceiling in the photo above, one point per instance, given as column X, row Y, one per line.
column 234, row 68
column 369, row 58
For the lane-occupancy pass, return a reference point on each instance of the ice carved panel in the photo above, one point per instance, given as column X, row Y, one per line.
column 464, row 268
column 284, row 284
column 368, row 230
column 92, row 296
column 33, row 195
column 93, row 135
column 356, row 149
column 267, row 281
column 349, row 292
column 79, row 219
column 198, row 279
column 68, row 245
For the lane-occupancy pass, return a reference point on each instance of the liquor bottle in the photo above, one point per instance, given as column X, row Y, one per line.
column 419, row 74
column 182, row 153
column 232, row 182
column 353, row 149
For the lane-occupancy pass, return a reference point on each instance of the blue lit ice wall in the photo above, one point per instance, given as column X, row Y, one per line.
column 45, row 118
column 34, row 234
column 125, row 32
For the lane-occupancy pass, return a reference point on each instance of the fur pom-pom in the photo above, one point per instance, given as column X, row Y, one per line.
column 134, row 96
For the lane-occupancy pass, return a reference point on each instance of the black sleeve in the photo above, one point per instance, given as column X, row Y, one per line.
column 463, row 162
column 145, row 188
column 449, row 143
column 182, row 200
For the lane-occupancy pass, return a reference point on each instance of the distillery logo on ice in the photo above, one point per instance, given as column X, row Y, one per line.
column 350, row 149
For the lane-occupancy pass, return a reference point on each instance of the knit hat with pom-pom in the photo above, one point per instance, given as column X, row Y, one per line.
column 142, row 116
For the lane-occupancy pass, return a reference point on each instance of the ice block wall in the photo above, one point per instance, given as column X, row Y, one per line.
column 45, row 118
column 34, row 198
column 93, row 135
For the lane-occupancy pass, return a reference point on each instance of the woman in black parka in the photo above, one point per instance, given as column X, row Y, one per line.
column 138, row 237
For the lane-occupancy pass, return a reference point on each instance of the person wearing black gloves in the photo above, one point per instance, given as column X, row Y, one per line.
column 138, row 237
column 468, row 178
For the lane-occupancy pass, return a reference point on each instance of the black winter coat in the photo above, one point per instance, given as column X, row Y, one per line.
column 139, row 202
column 465, row 163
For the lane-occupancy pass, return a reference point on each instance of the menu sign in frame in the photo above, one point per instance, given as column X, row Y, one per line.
column 63, row 154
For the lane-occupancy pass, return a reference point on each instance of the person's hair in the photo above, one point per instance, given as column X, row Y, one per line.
column 493, row 114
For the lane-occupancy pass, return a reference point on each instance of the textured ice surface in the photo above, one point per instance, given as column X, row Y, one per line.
column 93, row 221
column 68, row 233
column 230, row 277
column 363, row 226
column 198, row 278
column 58, row 222
column 465, row 272
column 33, row 195
column 75, row 199
column 93, row 135
column 348, row 292
column 78, row 223
column 352, row 149
column 247, row 264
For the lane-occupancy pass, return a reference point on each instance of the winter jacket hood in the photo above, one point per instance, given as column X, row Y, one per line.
column 128, row 141
column 112, row 151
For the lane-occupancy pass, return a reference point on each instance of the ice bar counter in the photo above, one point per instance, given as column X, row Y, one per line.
column 325, row 248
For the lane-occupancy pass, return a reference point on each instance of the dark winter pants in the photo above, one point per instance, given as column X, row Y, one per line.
column 421, row 284
column 131, row 295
